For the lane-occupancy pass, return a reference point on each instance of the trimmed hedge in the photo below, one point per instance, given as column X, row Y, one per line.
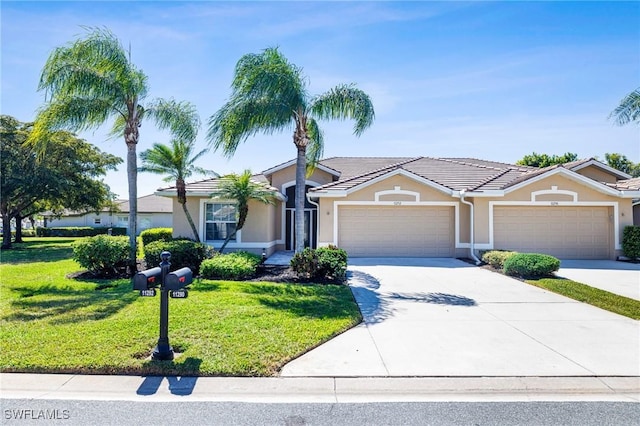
column 631, row 242
column 78, row 231
column 327, row 263
column 496, row 258
column 233, row 266
column 102, row 254
column 156, row 234
column 531, row 265
column 184, row 253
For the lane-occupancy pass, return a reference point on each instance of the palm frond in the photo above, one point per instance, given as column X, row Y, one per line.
column 181, row 118
column 345, row 102
column 629, row 109
column 242, row 188
column 315, row 148
column 240, row 118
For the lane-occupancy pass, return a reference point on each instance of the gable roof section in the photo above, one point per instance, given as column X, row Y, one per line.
column 290, row 163
column 204, row 188
column 581, row 164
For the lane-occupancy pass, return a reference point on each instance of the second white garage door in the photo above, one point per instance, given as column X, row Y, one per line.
column 396, row 231
column 564, row 232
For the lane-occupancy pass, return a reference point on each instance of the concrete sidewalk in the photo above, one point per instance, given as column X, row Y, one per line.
column 316, row 390
column 621, row 278
column 443, row 317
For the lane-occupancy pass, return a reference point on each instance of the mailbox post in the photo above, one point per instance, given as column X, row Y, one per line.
column 163, row 351
column 171, row 284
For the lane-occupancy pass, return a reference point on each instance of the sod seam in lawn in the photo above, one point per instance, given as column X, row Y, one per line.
column 594, row 296
column 50, row 323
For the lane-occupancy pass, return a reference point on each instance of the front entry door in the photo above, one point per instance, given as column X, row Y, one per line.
column 310, row 221
column 310, row 228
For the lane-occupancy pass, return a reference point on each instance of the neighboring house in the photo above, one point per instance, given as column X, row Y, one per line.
column 429, row 207
column 153, row 212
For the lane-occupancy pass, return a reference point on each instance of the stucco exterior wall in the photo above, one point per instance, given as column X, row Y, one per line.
column 180, row 224
column 288, row 175
column 597, row 174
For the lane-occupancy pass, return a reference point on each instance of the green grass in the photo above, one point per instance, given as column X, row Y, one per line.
column 51, row 323
column 591, row 295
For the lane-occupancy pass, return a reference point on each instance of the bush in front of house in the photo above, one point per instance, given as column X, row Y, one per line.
column 78, row 231
column 496, row 258
column 531, row 265
column 102, row 254
column 332, row 263
column 326, row 263
column 631, row 242
column 233, row 266
column 156, row 234
column 184, row 253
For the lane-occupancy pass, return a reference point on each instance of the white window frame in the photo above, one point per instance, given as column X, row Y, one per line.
column 203, row 228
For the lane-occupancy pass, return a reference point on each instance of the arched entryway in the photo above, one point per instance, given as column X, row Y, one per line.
column 310, row 220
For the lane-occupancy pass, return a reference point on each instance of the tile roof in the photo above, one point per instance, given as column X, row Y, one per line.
column 456, row 174
column 150, row 204
column 627, row 184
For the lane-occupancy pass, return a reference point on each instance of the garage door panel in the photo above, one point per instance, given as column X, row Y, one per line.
column 564, row 232
column 414, row 231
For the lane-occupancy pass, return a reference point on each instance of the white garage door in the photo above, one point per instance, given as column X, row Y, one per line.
column 397, row 231
column 564, row 232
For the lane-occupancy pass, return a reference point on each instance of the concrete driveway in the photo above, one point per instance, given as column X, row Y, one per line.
column 443, row 317
column 622, row 278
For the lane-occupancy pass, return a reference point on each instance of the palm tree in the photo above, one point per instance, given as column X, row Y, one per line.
column 177, row 162
column 270, row 94
column 92, row 80
column 628, row 110
column 242, row 190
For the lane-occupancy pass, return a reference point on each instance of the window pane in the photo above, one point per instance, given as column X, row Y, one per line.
column 209, row 212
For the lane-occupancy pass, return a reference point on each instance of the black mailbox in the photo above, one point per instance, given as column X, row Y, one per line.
column 147, row 279
column 178, row 279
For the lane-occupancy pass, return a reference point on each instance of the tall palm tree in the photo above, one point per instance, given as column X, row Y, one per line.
column 177, row 162
column 92, row 80
column 270, row 94
column 242, row 190
column 629, row 109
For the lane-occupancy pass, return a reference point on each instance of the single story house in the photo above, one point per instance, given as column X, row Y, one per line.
column 428, row 207
column 153, row 212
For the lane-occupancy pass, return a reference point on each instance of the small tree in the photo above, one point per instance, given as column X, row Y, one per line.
column 177, row 161
column 242, row 190
column 545, row 160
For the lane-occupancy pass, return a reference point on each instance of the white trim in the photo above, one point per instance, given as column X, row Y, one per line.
column 236, row 245
column 291, row 183
column 554, row 191
column 397, row 191
column 203, row 220
column 616, row 222
column 454, row 204
column 328, row 192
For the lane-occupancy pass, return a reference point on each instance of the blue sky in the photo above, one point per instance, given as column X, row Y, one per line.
column 448, row 79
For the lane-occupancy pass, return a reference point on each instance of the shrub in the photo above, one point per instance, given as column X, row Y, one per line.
column 496, row 258
column 531, row 265
column 102, row 254
column 631, row 242
column 156, row 234
column 78, row 231
column 305, row 263
column 184, row 253
column 233, row 266
column 327, row 263
column 332, row 263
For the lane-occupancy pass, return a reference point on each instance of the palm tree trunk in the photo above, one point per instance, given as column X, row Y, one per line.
column 190, row 220
column 301, row 170
column 132, row 177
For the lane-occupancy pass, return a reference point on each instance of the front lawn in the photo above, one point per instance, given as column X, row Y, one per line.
column 51, row 323
column 591, row 295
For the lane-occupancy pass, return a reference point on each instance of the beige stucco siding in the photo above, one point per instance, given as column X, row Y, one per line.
column 597, row 174
column 181, row 227
column 287, row 176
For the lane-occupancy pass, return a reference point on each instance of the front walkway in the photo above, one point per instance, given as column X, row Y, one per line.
column 280, row 258
column 443, row 317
